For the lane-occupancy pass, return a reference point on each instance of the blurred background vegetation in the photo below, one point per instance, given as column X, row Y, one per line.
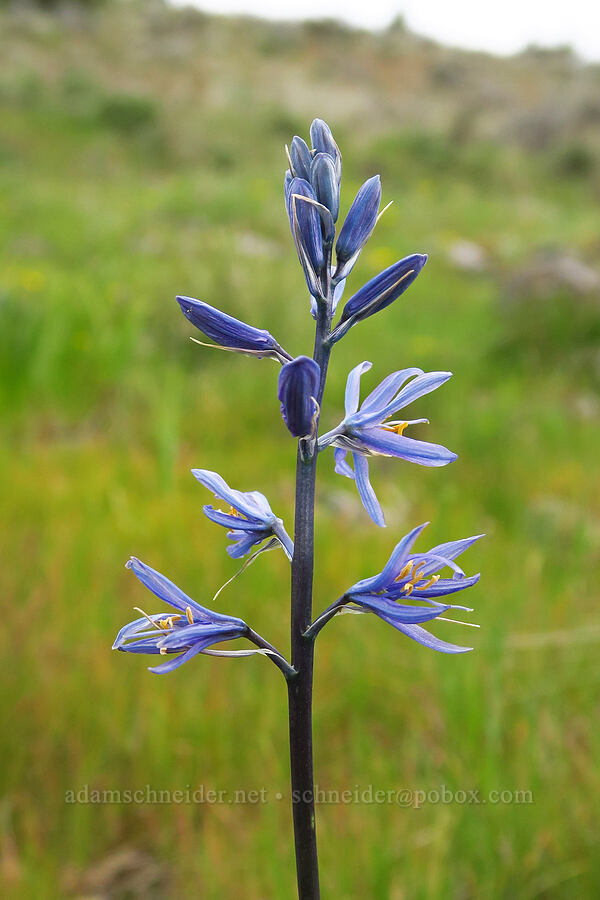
column 141, row 155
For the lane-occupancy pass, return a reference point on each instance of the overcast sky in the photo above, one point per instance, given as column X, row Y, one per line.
column 501, row 27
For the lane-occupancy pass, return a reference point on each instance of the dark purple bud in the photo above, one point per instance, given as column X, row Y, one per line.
column 379, row 292
column 230, row 333
column 359, row 222
column 323, row 142
column 300, row 157
column 325, row 183
column 306, row 229
column 297, row 389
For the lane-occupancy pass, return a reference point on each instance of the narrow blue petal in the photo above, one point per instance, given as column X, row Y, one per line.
column 181, row 638
column 418, row 387
column 353, row 387
column 366, row 492
column 130, row 630
column 171, row 594
column 421, row 636
column 396, row 612
column 447, row 586
column 341, row 466
column 387, row 389
column 144, row 645
column 392, row 567
column 440, row 562
column 254, row 505
column 400, row 555
column 230, row 521
column 250, row 503
column 243, row 542
column 165, row 590
column 177, row 661
column 450, row 550
column 388, row 443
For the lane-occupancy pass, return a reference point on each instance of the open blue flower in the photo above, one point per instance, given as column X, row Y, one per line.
column 414, row 575
column 229, row 333
column 250, row 521
column 369, row 431
column 190, row 631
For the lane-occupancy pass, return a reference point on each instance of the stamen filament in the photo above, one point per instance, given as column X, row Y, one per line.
column 146, row 616
column 457, row 622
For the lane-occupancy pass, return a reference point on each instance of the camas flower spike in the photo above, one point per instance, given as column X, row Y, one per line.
column 413, row 588
column 369, row 431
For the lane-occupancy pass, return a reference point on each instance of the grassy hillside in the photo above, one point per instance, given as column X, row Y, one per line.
column 141, row 155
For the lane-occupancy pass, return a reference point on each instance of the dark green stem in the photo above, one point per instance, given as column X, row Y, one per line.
column 301, row 686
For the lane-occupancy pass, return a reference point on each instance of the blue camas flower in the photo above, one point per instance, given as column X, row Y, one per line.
column 297, row 390
column 369, row 431
column 250, row 521
column 190, row 631
column 229, row 333
column 413, row 575
column 379, row 292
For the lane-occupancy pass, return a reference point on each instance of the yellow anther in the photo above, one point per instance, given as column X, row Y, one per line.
column 164, row 623
column 163, row 651
column 188, row 614
column 408, row 588
column 433, row 580
column 234, row 512
column 405, row 570
column 414, row 576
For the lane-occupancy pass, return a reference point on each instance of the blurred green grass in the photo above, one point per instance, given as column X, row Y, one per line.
column 105, row 406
